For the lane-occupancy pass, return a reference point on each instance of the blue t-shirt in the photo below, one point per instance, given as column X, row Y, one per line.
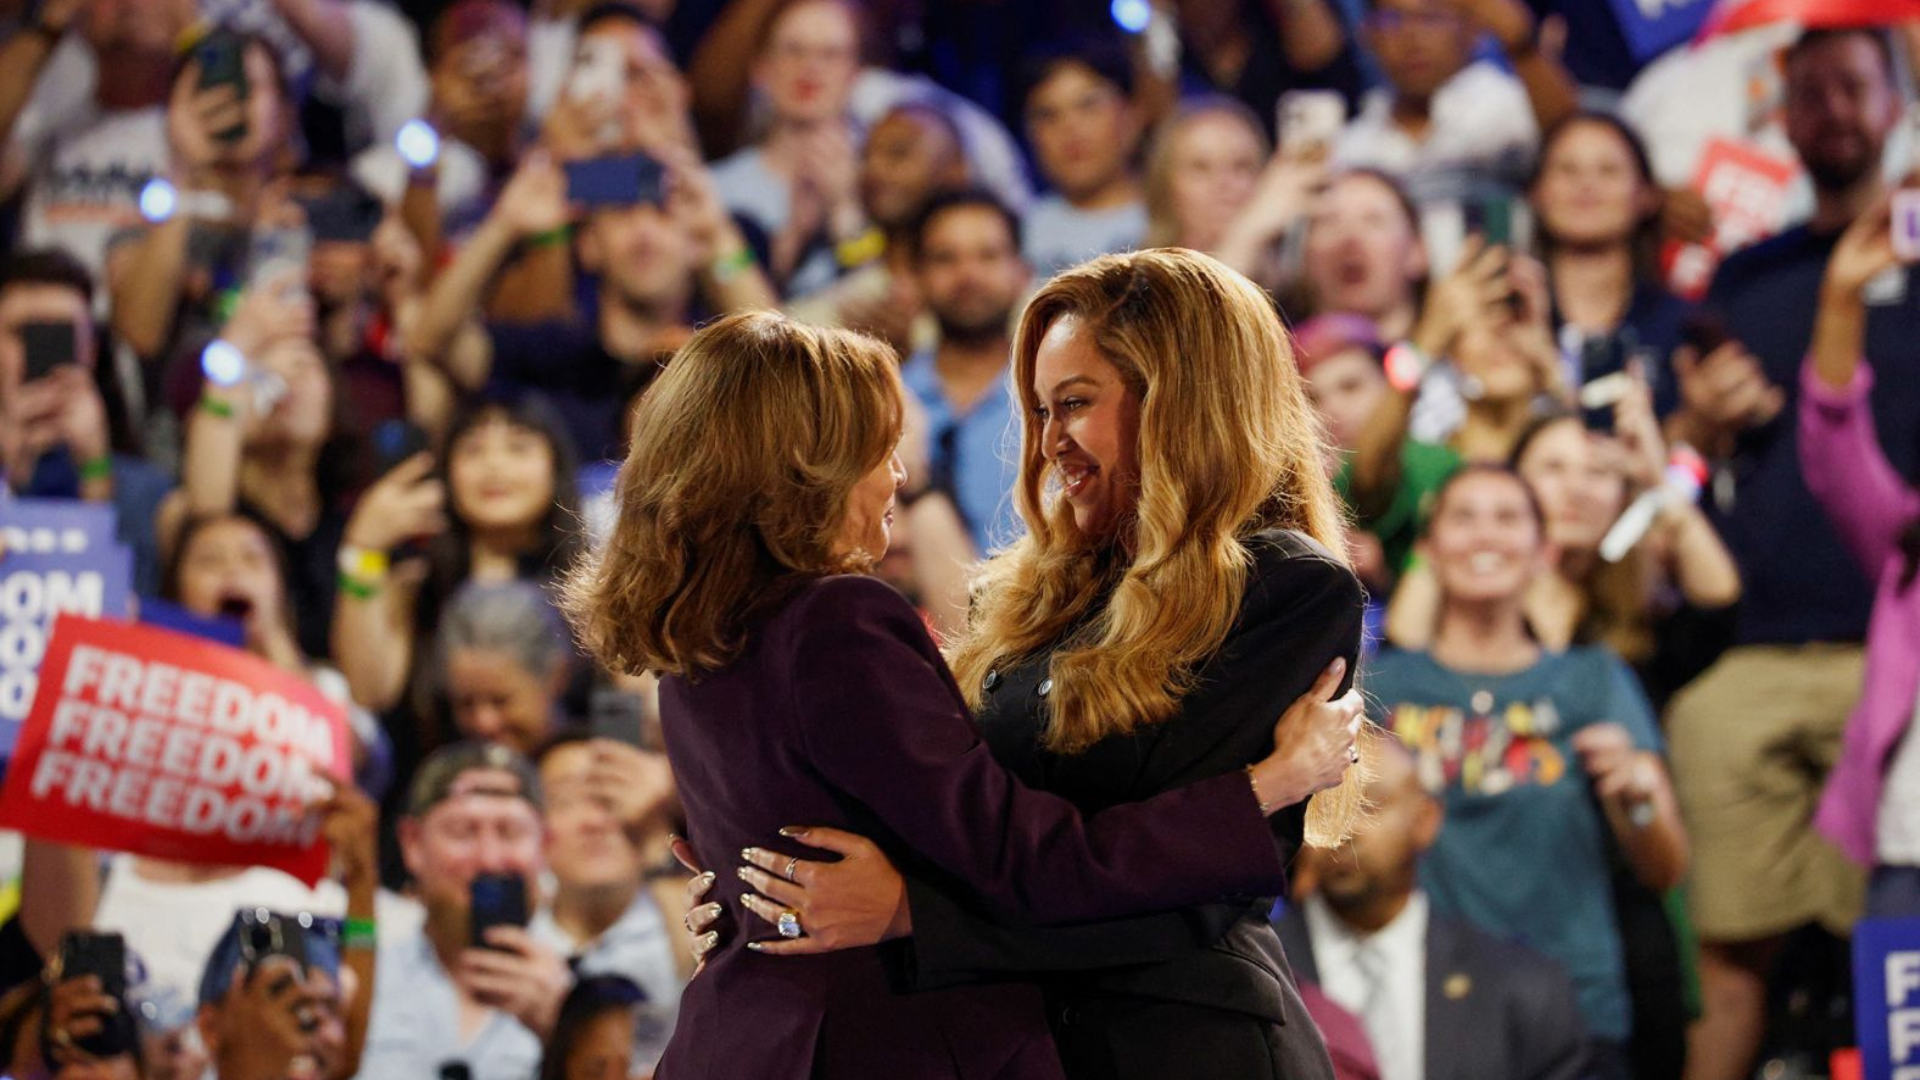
column 1800, row 583
column 1524, row 853
column 979, row 449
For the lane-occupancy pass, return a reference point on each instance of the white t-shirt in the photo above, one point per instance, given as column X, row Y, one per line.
column 1897, row 832
column 172, row 927
column 85, row 184
column 1482, row 129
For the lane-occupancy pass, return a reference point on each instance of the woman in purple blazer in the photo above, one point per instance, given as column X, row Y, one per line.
column 1871, row 806
column 760, row 484
column 1178, row 586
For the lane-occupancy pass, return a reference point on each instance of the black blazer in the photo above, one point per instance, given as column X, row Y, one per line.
column 1495, row 1010
column 1301, row 610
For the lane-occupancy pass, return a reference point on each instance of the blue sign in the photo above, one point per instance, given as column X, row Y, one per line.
column 60, row 558
column 1651, row 27
column 1886, row 997
column 215, row 628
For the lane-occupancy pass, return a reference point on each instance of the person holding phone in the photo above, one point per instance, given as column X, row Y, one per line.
column 661, row 252
column 470, row 986
column 228, row 118
column 270, row 442
column 1871, row 804
column 1594, row 196
column 56, row 439
column 86, row 143
column 1213, row 186
column 609, row 805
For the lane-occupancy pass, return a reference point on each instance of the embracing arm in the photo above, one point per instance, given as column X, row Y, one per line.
column 881, row 720
column 1301, row 615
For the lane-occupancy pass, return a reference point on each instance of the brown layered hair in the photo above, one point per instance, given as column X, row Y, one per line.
column 1229, row 447
column 735, row 490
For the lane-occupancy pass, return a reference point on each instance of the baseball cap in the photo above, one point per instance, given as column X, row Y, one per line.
column 446, row 773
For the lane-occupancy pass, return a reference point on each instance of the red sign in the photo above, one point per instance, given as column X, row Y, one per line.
column 1747, row 190
column 170, row 746
column 1730, row 16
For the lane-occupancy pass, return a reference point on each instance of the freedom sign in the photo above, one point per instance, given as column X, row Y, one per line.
column 1886, row 997
column 60, row 558
column 155, row 743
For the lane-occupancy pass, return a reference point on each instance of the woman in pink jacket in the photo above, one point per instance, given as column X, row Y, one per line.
column 1871, row 806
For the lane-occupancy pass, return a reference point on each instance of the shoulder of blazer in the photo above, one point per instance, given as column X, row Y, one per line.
column 846, row 601
column 1523, row 981
column 1290, row 567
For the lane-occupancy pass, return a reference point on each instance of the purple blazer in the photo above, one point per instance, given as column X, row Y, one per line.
column 1870, row 506
column 841, row 712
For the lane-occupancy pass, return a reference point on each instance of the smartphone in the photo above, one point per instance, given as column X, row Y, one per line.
column 266, row 934
column 1493, row 219
column 1906, row 225
column 624, row 180
column 1310, row 122
column 1704, row 333
column 614, row 714
column 48, row 345
column 222, row 57
column 345, row 215
column 496, row 900
column 104, row 956
column 393, row 442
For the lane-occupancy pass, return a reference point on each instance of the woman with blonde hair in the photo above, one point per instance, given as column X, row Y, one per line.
column 756, row 495
column 1214, row 185
column 1178, row 585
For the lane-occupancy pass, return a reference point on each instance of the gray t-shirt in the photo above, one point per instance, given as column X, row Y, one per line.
column 1056, row 235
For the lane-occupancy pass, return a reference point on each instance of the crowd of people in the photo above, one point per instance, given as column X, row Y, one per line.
column 362, row 300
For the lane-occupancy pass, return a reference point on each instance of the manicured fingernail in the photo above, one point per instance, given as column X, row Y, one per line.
column 793, row 830
column 748, row 853
column 1339, row 665
column 756, row 946
column 743, row 872
column 710, row 939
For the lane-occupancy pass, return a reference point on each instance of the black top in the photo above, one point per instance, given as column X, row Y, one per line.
column 1801, row 583
column 1302, row 609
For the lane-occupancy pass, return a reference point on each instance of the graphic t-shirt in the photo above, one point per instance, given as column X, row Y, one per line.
column 1524, row 851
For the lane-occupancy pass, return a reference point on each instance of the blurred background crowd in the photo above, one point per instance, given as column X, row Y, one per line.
column 342, row 306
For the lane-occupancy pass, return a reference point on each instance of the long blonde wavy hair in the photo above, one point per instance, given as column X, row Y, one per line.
column 745, row 452
column 1228, row 446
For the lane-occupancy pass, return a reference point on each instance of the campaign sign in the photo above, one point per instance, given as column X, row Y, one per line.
column 1886, row 997
column 1747, row 190
column 60, row 558
column 1651, row 27
column 159, row 744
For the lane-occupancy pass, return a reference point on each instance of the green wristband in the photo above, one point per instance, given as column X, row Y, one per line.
column 213, row 406
column 550, row 238
column 359, row 590
column 358, row 934
column 100, row 468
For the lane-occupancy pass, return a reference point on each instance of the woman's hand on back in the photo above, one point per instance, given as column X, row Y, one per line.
column 702, row 919
column 1314, row 742
column 860, row 900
